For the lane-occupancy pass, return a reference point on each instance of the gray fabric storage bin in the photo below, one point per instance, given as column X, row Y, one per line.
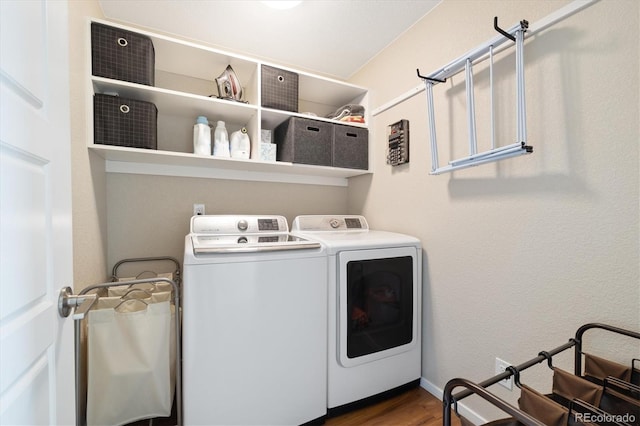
column 350, row 147
column 124, row 122
column 122, row 55
column 305, row 141
column 279, row 89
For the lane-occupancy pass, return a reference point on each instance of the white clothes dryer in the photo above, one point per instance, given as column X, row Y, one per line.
column 254, row 323
column 374, row 308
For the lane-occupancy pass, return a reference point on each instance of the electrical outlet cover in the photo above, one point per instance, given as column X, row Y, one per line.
column 198, row 209
column 501, row 367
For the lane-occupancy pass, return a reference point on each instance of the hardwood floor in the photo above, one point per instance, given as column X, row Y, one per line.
column 414, row 407
column 411, row 408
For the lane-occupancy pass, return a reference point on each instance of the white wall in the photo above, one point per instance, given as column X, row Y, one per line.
column 149, row 215
column 88, row 179
column 518, row 254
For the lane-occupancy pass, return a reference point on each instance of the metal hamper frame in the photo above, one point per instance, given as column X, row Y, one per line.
column 83, row 302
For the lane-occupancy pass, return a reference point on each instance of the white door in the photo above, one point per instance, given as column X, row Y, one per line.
column 36, row 345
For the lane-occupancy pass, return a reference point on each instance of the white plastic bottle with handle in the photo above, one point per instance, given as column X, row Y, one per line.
column 240, row 144
column 221, row 141
column 202, row 136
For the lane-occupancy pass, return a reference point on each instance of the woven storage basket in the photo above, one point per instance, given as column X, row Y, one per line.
column 304, row 141
column 122, row 55
column 124, row 122
column 279, row 89
column 350, row 147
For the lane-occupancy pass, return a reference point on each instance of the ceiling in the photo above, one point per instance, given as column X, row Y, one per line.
column 331, row 37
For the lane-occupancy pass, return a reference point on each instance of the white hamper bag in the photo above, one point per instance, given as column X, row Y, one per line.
column 128, row 371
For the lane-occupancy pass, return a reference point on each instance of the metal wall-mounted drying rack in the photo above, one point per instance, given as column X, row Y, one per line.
column 494, row 154
column 82, row 303
column 465, row 62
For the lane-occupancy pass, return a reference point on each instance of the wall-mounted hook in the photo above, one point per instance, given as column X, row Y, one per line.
column 501, row 31
column 577, row 344
column 547, row 355
column 433, row 80
column 524, row 24
column 455, row 406
column 516, row 375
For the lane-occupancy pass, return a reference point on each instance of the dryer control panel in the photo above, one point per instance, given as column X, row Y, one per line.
column 330, row 223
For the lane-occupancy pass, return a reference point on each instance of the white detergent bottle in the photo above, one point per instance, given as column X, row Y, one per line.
column 240, row 144
column 202, row 136
column 221, row 141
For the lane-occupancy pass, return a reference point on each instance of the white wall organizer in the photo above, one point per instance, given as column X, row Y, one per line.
column 184, row 80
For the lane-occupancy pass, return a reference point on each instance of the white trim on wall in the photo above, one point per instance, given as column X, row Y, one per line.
column 465, row 411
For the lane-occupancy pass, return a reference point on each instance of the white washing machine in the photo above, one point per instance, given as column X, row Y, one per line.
column 254, row 323
column 375, row 290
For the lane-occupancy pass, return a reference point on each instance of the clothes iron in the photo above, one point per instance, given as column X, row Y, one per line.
column 229, row 85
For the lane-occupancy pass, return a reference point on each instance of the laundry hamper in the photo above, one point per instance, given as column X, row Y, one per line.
column 153, row 292
column 601, row 395
column 129, row 360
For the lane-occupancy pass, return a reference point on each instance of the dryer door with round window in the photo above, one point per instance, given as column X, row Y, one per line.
column 377, row 303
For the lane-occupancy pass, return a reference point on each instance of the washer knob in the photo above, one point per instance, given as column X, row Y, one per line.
column 243, row 240
column 243, row 225
column 335, row 223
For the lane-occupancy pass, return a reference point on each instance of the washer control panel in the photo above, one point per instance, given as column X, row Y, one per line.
column 234, row 225
column 271, row 225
